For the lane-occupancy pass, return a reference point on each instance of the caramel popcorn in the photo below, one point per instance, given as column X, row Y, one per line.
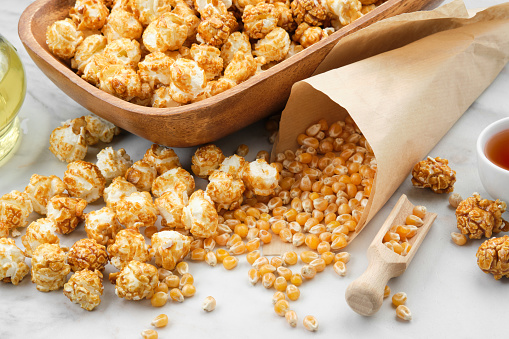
column 167, row 32
column 493, row 257
column 306, row 35
column 209, row 59
column 68, row 142
column 84, row 180
column 141, row 175
column 118, row 189
column 242, row 67
column 49, row 267
column 213, row 31
column 129, row 245
column 285, row 16
column 190, row 19
column 92, row 45
column 237, row 42
column 260, row 20
column 309, row 11
column 155, row 69
column 102, row 226
column 113, row 163
column 233, row 165
column 188, row 81
column 162, row 98
column 435, row 174
column 124, row 52
column 89, row 14
column 225, row 190
column 12, row 262
column 219, row 86
column 136, row 281
column 122, row 24
column 478, row 217
column 367, row 8
column 93, row 68
column 63, row 37
column 274, row 46
column 260, row 177
column 171, row 205
column 15, row 207
column 41, row 189
column 169, row 248
column 85, row 288
column 294, row 49
column 122, row 82
column 66, row 212
column 346, row 10
column 176, row 179
column 147, row 11
column 162, row 158
column 241, row 4
column 206, row 159
column 200, row 215
column 206, row 8
column 87, row 254
column 136, row 210
column 41, row 231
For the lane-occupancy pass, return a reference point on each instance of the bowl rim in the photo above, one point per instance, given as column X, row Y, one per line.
column 485, row 135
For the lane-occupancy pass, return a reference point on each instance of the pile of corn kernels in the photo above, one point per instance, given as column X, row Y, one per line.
column 172, row 52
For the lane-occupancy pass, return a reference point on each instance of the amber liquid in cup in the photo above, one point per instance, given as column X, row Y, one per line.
column 497, row 149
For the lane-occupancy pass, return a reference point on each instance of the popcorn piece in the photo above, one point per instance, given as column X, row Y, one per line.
column 87, row 254
column 242, row 4
column 309, row 11
column 63, row 37
column 91, row 46
column 89, row 14
column 294, row 49
column 214, row 31
column 147, row 11
column 219, row 86
column 206, row 159
column 85, row 288
column 224, row 190
column 118, row 189
column 478, row 217
column 122, row 24
column 307, row 36
column 176, row 180
column 102, row 226
column 12, row 262
column 241, row 68
column 41, row 189
column 162, row 98
column 155, row 69
column 168, row 32
column 68, row 142
column 209, row 59
column 121, row 82
column 190, row 19
column 136, row 281
column 210, row 7
column 169, row 248
column 493, row 257
column 260, row 20
column 136, row 210
column 141, row 175
column 260, row 177
column 41, row 231
column 93, row 68
column 200, row 215
column 49, row 267
column 188, row 81
column 15, row 208
column 171, row 205
column 124, row 52
column 129, row 245
column 233, row 166
column 435, row 174
column 367, row 6
column 84, row 180
column 285, row 15
column 274, row 46
column 66, row 212
column 237, row 42
column 113, row 164
column 346, row 10
column 162, row 158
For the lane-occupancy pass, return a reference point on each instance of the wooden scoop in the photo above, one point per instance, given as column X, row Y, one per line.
column 365, row 294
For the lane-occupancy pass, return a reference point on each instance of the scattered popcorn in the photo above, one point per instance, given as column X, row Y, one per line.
column 12, row 262
column 84, row 180
column 85, row 288
column 435, row 174
column 136, row 210
column 233, row 165
column 162, row 158
column 89, row 14
column 15, row 207
column 171, row 205
column 142, row 175
column 260, row 177
column 169, row 248
column 98, row 129
column 49, row 267
column 102, row 226
column 113, row 163
column 66, row 212
column 225, row 190
column 129, row 245
column 63, row 37
column 41, row 189
column 136, row 281
column 200, row 215
column 41, row 231
column 493, row 257
column 176, row 179
column 118, row 189
column 206, row 159
column 87, row 254
column 68, row 142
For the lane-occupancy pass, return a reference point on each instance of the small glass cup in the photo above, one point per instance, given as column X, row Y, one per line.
column 12, row 95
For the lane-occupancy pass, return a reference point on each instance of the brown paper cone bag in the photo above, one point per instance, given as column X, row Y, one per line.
column 403, row 99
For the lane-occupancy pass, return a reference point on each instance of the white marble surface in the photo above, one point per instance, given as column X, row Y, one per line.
column 448, row 295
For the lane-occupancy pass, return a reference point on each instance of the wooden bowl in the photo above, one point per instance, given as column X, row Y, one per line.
column 199, row 122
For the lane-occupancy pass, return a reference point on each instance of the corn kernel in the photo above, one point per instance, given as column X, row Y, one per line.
column 254, row 276
column 222, row 239
column 280, row 284
column 318, row 264
column 387, row 291
column 403, row 313
column 198, row 243
column 267, row 268
column 252, row 256
column 339, row 242
column 290, row 258
column 161, row 287
column 298, row 239
column 258, row 263
column 176, row 295
column 276, row 261
column 293, row 292
column 323, row 247
column 265, row 236
column 209, row 244
column 278, row 296
column 291, row 318
column 253, row 244
column 230, row 262
column 188, row 290
column 281, row 307
column 454, row 201
column 235, row 238
column 328, row 257
column 159, row 299
column 399, row 298
column 296, row 279
column 221, row 253
column 458, row 238
column 238, row 248
column 198, row 254
column 160, row 321
column 186, row 278
column 414, row 220
column 406, row 231
column 419, row 211
column 284, row 272
column 406, row 248
column 391, row 236
column 342, row 256
column 308, row 272
column 310, row 323
column 340, row 268
column 149, row 334
column 182, row 268
column 172, row 281
column 209, row 304
column 268, row 280
column 308, row 256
